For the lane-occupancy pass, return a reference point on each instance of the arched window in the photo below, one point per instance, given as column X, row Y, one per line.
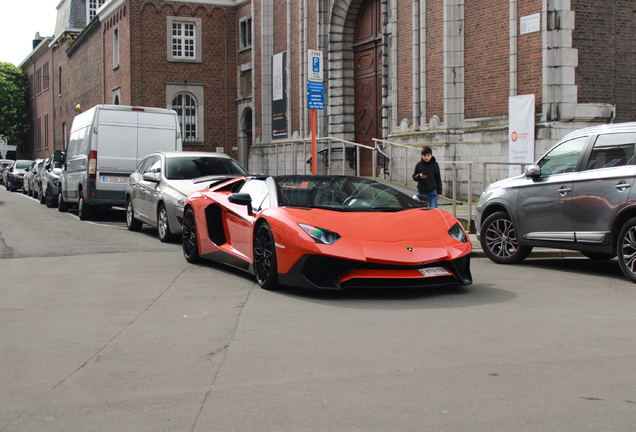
column 186, row 107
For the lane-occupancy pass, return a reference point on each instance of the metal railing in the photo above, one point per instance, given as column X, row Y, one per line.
column 325, row 146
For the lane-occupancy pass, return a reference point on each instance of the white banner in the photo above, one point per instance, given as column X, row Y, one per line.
column 277, row 81
column 520, row 132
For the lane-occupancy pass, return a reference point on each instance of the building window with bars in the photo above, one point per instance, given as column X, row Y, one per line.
column 184, row 39
column 186, row 107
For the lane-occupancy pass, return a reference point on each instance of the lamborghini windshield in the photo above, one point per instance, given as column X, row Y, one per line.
column 341, row 193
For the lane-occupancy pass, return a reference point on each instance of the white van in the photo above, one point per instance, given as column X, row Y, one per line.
column 105, row 145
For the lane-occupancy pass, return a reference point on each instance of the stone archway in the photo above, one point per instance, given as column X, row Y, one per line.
column 355, row 45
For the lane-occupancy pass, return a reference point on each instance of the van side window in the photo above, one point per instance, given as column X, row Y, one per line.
column 612, row 150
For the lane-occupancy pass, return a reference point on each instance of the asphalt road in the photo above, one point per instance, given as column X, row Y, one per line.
column 102, row 329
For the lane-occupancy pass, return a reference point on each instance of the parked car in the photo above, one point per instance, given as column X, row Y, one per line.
column 5, row 164
column 158, row 188
column 327, row 232
column 96, row 169
column 580, row 195
column 15, row 175
column 49, row 180
column 29, row 177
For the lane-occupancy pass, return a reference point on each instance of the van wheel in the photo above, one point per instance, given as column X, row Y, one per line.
column 62, row 206
column 627, row 249
column 83, row 209
column 499, row 240
column 50, row 199
column 163, row 226
column 189, row 237
column 132, row 223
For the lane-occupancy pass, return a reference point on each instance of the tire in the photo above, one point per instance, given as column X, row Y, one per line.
column 51, row 201
column 132, row 223
column 626, row 247
column 189, row 237
column 83, row 210
column 62, row 206
column 598, row 256
column 265, row 263
column 499, row 240
column 163, row 226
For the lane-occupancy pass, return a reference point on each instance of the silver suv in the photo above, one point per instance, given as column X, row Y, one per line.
column 578, row 196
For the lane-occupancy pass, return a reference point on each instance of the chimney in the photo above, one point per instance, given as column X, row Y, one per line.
column 37, row 39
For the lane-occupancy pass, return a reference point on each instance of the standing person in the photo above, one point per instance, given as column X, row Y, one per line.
column 428, row 178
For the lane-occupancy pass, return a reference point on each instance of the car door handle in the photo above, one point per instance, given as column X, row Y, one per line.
column 622, row 186
column 564, row 190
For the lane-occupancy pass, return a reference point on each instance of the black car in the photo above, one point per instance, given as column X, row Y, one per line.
column 15, row 175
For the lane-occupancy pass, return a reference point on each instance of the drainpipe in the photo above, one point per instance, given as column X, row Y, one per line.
column 422, row 63
column 415, row 29
column 52, row 78
column 513, row 48
column 288, row 84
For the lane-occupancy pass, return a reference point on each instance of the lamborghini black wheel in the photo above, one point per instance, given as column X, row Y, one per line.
column 189, row 237
column 265, row 265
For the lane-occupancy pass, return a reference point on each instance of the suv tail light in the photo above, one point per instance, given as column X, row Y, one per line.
column 92, row 165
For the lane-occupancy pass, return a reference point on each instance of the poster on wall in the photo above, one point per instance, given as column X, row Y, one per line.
column 279, row 95
column 520, row 132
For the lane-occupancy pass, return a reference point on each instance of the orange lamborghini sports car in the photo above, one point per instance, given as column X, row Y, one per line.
column 326, row 232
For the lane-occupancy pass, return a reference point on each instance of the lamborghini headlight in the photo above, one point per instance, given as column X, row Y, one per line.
column 457, row 232
column 320, row 235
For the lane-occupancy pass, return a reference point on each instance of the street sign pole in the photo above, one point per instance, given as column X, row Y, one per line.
column 313, row 141
column 315, row 98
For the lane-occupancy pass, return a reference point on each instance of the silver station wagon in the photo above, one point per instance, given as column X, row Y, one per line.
column 159, row 186
column 580, row 196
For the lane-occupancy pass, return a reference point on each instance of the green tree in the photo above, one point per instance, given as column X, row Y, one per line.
column 13, row 106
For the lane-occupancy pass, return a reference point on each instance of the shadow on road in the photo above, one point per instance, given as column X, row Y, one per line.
column 579, row 266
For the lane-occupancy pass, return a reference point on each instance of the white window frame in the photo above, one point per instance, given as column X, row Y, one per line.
column 194, row 38
column 92, row 6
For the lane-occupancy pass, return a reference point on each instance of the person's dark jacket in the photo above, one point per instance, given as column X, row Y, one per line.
column 433, row 181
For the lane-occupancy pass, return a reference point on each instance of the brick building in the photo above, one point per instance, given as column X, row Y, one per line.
column 418, row 72
column 440, row 72
column 178, row 55
column 39, row 141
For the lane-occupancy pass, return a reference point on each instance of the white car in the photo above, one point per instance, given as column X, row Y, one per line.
column 158, row 188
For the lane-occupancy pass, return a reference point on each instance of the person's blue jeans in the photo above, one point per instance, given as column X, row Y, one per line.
column 432, row 196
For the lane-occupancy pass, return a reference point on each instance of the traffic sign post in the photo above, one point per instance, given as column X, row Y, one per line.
column 315, row 97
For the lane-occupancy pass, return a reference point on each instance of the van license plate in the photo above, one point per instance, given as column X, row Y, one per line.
column 114, row 179
column 434, row 271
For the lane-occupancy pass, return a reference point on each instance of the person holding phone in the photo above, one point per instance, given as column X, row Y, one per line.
column 428, row 178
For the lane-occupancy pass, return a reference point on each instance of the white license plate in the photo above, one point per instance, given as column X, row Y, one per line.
column 114, row 179
column 434, row 271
